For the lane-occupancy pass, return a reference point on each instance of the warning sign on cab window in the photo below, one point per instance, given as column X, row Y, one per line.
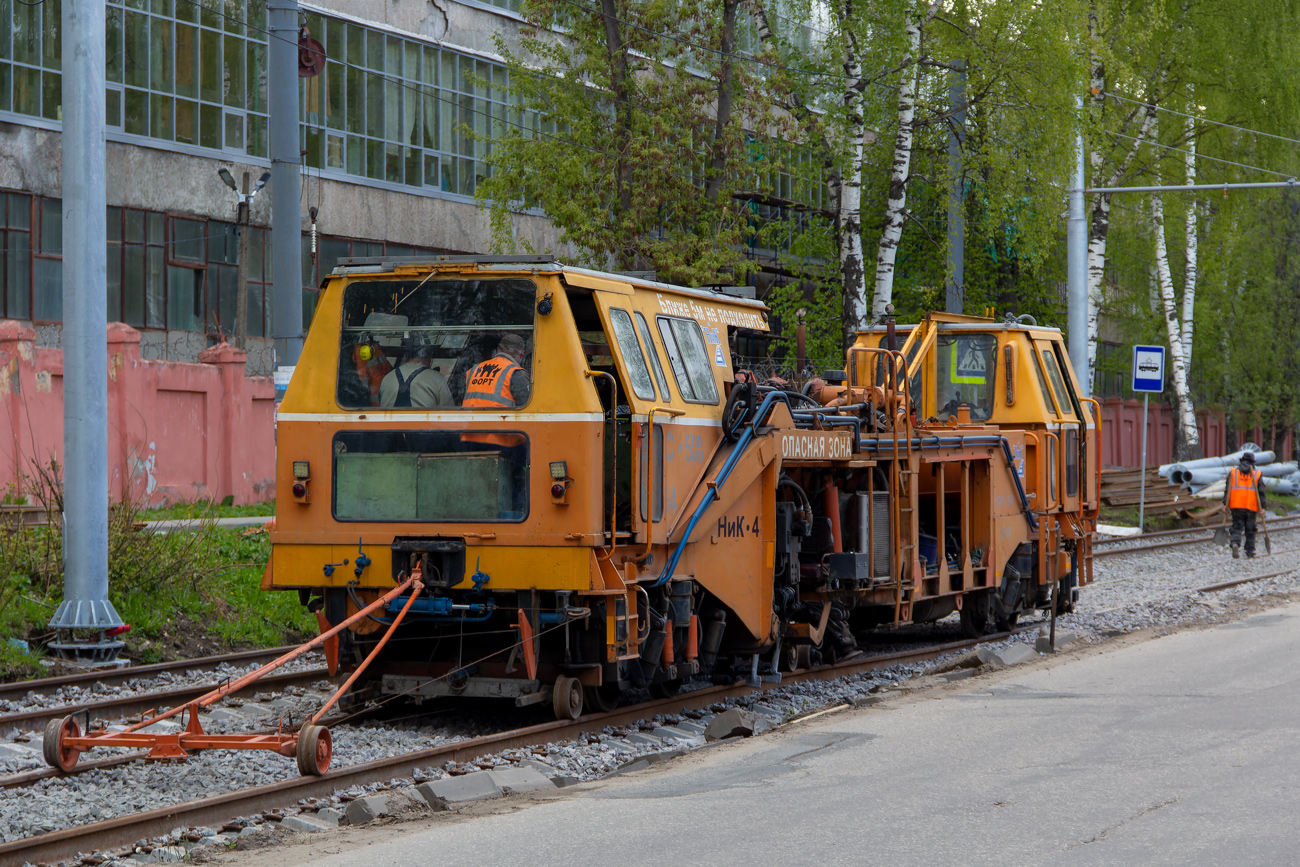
column 717, row 357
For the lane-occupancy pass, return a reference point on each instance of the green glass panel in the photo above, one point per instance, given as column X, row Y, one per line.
column 374, row 487
column 114, row 283
column 156, row 223
column 6, row 86
column 234, row 16
column 335, row 38
column 154, row 292
column 374, row 106
column 52, row 54
column 314, row 145
column 113, row 107
column 161, row 118
column 184, row 298
column 375, row 50
column 161, row 39
column 256, row 18
column 187, row 61
column 412, row 157
column 256, row 77
column 234, row 72
column 210, row 13
column 133, row 285
column 210, row 69
column 137, row 112
column 334, row 151
column 133, row 230
column 393, row 163
column 137, row 4
column 27, row 34
column 431, row 170
column 163, row 7
column 48, row 280
column 136, row 57
column 6, row 31
column 210, row 130
column 257, row 132
column 356, row 100
column 187, row 10
column 335, row 90
column 431, row 119
column 51, row 102
column 356, row 155
column 112, row 42
column 356, row 45
column 18, row 289
column 393, row 116
column 234, row 131
column 375, row 159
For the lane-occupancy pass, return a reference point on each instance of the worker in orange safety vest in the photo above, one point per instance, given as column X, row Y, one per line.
column 499, row 383
column 1244, row 495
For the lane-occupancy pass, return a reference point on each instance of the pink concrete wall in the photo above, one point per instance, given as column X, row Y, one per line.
column 1121, row 434
column 176, row 431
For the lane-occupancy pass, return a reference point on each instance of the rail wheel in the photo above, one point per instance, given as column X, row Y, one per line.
column 602, row 699
column 54, row 744
column 974, row 614
column 665, row 688
column 566, row 698
column 315, row 750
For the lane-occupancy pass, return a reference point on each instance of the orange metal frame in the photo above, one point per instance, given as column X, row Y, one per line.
column 177, row 745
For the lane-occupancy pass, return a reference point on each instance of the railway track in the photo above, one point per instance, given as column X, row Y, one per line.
column 218, row 809
column 20, row 688
column 134, row 705
column 1195, row 536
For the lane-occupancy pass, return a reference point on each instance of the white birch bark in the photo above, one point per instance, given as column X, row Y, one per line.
column 1190, row 248
column 853, row 270
column 896, row 208
column 1179, row 357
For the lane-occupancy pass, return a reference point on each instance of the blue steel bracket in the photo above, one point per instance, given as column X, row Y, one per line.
column 362, row 561
column 479, row 577
column 329, row 567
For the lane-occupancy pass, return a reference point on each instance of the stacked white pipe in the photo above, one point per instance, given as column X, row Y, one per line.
column 1207, row 477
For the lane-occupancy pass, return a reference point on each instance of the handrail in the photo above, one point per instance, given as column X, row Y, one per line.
column 1060, row 494
column 747, row 434
column 650, row 473
column 613, row 444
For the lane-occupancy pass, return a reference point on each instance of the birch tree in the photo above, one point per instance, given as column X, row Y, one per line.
column 1178, row 319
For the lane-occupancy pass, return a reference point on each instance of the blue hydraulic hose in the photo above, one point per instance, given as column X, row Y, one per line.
column 712, row 494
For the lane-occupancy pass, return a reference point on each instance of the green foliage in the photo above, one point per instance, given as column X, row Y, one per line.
column 208, row 509
column 183, row 593
column 616, row 139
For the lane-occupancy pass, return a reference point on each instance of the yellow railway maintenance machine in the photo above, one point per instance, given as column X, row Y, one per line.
column 627, row 510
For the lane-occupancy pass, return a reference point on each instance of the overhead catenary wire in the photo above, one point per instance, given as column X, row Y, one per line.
column 1201, row 119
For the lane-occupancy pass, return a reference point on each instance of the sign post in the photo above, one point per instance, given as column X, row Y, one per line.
column 1148, row 377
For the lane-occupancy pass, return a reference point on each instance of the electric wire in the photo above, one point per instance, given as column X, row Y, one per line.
column 1200, row 119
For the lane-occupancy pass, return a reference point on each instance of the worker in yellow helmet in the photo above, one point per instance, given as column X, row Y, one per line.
column 1244, row 495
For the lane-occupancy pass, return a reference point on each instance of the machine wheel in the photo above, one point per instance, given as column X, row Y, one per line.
column 789, row 657
column 1006, row 622
column 315, row 750
column 665, row 688
column 566, row 698
column 602, row 699
column 57, row 753
column 974, row 614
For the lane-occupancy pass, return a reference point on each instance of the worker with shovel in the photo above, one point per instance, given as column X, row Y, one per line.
column 1244, row 495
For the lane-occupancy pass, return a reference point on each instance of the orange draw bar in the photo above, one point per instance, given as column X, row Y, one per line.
column 65, row 742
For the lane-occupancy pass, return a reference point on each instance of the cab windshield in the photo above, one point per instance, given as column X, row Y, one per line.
column 965, row 370
column 437, row 344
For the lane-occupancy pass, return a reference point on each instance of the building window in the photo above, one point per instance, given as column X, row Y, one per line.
column 16, row 255
column 47, row 267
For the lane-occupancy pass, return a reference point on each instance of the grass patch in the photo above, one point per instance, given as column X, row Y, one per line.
column 185, row 594
column 208, row 509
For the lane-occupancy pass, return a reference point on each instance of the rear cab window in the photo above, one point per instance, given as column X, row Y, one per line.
column 689, row 359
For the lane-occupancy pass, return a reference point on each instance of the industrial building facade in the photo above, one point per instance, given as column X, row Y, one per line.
column 388, row 162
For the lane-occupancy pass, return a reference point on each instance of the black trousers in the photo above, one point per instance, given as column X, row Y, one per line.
column 1243, row 519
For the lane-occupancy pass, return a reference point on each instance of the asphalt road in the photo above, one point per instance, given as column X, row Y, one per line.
column 1180, row 750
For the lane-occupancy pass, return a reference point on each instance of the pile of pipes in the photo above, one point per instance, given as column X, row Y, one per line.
column 1207, row 477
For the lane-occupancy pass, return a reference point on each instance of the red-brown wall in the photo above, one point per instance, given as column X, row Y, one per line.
column 1121, row 434
column 176, row 431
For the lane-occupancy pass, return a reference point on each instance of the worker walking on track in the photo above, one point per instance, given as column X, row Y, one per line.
column 1244, row 495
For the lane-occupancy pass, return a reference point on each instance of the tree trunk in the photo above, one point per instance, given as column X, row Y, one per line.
column 849, row 215
column 619, row 87
column 1187, row 439
column 896, row 208
column 726, row 79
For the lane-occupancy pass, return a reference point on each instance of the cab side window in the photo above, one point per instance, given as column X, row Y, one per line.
column 689, row 359
column 630, row 349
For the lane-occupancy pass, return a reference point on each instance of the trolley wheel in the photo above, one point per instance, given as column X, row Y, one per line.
column 566, row 698
column 665, row 688
column 57, row 753
column 974, row 614
column 315, row 749
column 789, row 658
column 602, row 699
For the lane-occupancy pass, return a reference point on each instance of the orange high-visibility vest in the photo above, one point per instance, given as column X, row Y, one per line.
column 1242, row 493
column 488, row 384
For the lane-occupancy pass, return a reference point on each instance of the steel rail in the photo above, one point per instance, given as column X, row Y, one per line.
column 217, row 810
column 1226, row 584
column 20, row 688
column 1114, row 552
column 1288, row 524
column 132, row 705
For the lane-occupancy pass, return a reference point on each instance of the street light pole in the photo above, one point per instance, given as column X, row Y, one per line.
column 241, row 292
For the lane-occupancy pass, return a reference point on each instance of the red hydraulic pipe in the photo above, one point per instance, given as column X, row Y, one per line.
column 831, row 505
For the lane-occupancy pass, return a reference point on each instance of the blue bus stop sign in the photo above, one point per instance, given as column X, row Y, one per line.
column 1149, row 368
